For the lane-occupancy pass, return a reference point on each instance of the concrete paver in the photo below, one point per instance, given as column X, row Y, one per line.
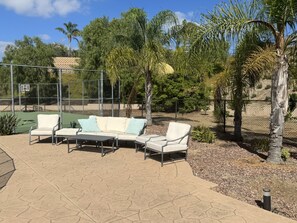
column 50, row 185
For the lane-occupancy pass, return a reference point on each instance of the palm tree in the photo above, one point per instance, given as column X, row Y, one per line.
column 71, row 32
column 271, row 17
column 142, row 49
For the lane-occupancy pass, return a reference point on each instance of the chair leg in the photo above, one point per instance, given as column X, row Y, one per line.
column 136, row 147
column 186, row 157
column 144, row 153
column 162, row 159
column 29, row 138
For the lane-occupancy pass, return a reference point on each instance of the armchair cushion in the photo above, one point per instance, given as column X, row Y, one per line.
column 170, row 147
column 177, row 130
column 48, row 121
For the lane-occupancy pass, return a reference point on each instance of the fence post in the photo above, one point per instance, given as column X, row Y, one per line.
column 82, row 95
column 224, row 116
column 176, row 106
column 11, row 86
column 38, row 102
column 98, row 96
column 119, row 98
column 57, row 86
column 61, row 96
column 20, row 97
column 69, row 104
column 112, row 114
column 101, row 92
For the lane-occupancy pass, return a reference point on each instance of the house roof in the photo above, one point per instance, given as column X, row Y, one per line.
column 66, row 62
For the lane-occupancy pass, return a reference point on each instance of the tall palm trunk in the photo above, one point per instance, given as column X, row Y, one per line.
column 148, row 96
column 238, row 105
column 238, row 120
column 279, row 105
column 131, row 98
column 69, row 47
column 129, row 102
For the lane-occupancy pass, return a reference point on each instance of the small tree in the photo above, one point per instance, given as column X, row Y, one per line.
column 71, row 32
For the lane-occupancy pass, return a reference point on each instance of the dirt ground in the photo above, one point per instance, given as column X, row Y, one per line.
column 240, row 173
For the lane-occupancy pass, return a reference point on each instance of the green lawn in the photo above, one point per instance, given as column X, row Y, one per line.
column 29, row 118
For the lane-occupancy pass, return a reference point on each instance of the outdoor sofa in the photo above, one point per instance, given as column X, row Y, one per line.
column 122, row 129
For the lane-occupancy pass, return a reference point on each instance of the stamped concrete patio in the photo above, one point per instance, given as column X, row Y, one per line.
column 50, row 185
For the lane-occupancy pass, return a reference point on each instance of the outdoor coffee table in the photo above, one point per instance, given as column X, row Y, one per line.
column 91, row 138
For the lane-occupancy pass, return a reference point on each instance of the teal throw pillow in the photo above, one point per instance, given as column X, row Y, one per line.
column 135, row 126
column 89, row 125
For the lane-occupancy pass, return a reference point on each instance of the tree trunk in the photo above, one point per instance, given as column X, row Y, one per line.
column 130, row 100
column 238, row 105
column 279, row 105
column 69, row 47
column 148, row 96
column 238, row 122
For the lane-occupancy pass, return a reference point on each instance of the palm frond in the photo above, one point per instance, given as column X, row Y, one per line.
column 260, row 61
column 155, row 26
column 119, row 59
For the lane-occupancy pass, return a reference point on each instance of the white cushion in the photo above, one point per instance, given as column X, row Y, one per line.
column 142, row 139
column 171, row 147
column 67, row 132
column 117, row 124
column 177, row 130
column 102, row 123
column 127, row 137
column 47, row 121
column 42, row 132
column 99, row 134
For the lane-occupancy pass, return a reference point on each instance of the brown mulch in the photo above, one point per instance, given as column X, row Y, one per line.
column 242, row 174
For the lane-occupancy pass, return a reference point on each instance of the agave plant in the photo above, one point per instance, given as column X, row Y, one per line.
column 8, row 123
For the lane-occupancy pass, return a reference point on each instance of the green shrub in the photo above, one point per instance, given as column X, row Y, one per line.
column 260, row 144
column 285, row 154
column 268, row 86
column 203, row 134
column 259, row 86
column 253, row 95
column 267, row 98
column 8, row 123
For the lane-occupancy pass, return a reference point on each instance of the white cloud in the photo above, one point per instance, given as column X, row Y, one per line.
column 44, row 37
column 189, row 16
column 3, row 45
column 43, row 8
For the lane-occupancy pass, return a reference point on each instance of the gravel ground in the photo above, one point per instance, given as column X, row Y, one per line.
column 243, row 175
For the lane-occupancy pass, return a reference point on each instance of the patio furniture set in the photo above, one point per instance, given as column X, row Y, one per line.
column 100, row 130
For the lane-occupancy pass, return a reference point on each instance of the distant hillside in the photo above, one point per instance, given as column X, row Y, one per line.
column 261, row 91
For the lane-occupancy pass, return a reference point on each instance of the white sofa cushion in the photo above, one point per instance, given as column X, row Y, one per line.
column 101, row 122
column 127, row 137
column 67, row 132
column 116, row 124
column 99, row 134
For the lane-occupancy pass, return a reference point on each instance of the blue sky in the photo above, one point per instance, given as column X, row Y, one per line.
column 41, row 17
